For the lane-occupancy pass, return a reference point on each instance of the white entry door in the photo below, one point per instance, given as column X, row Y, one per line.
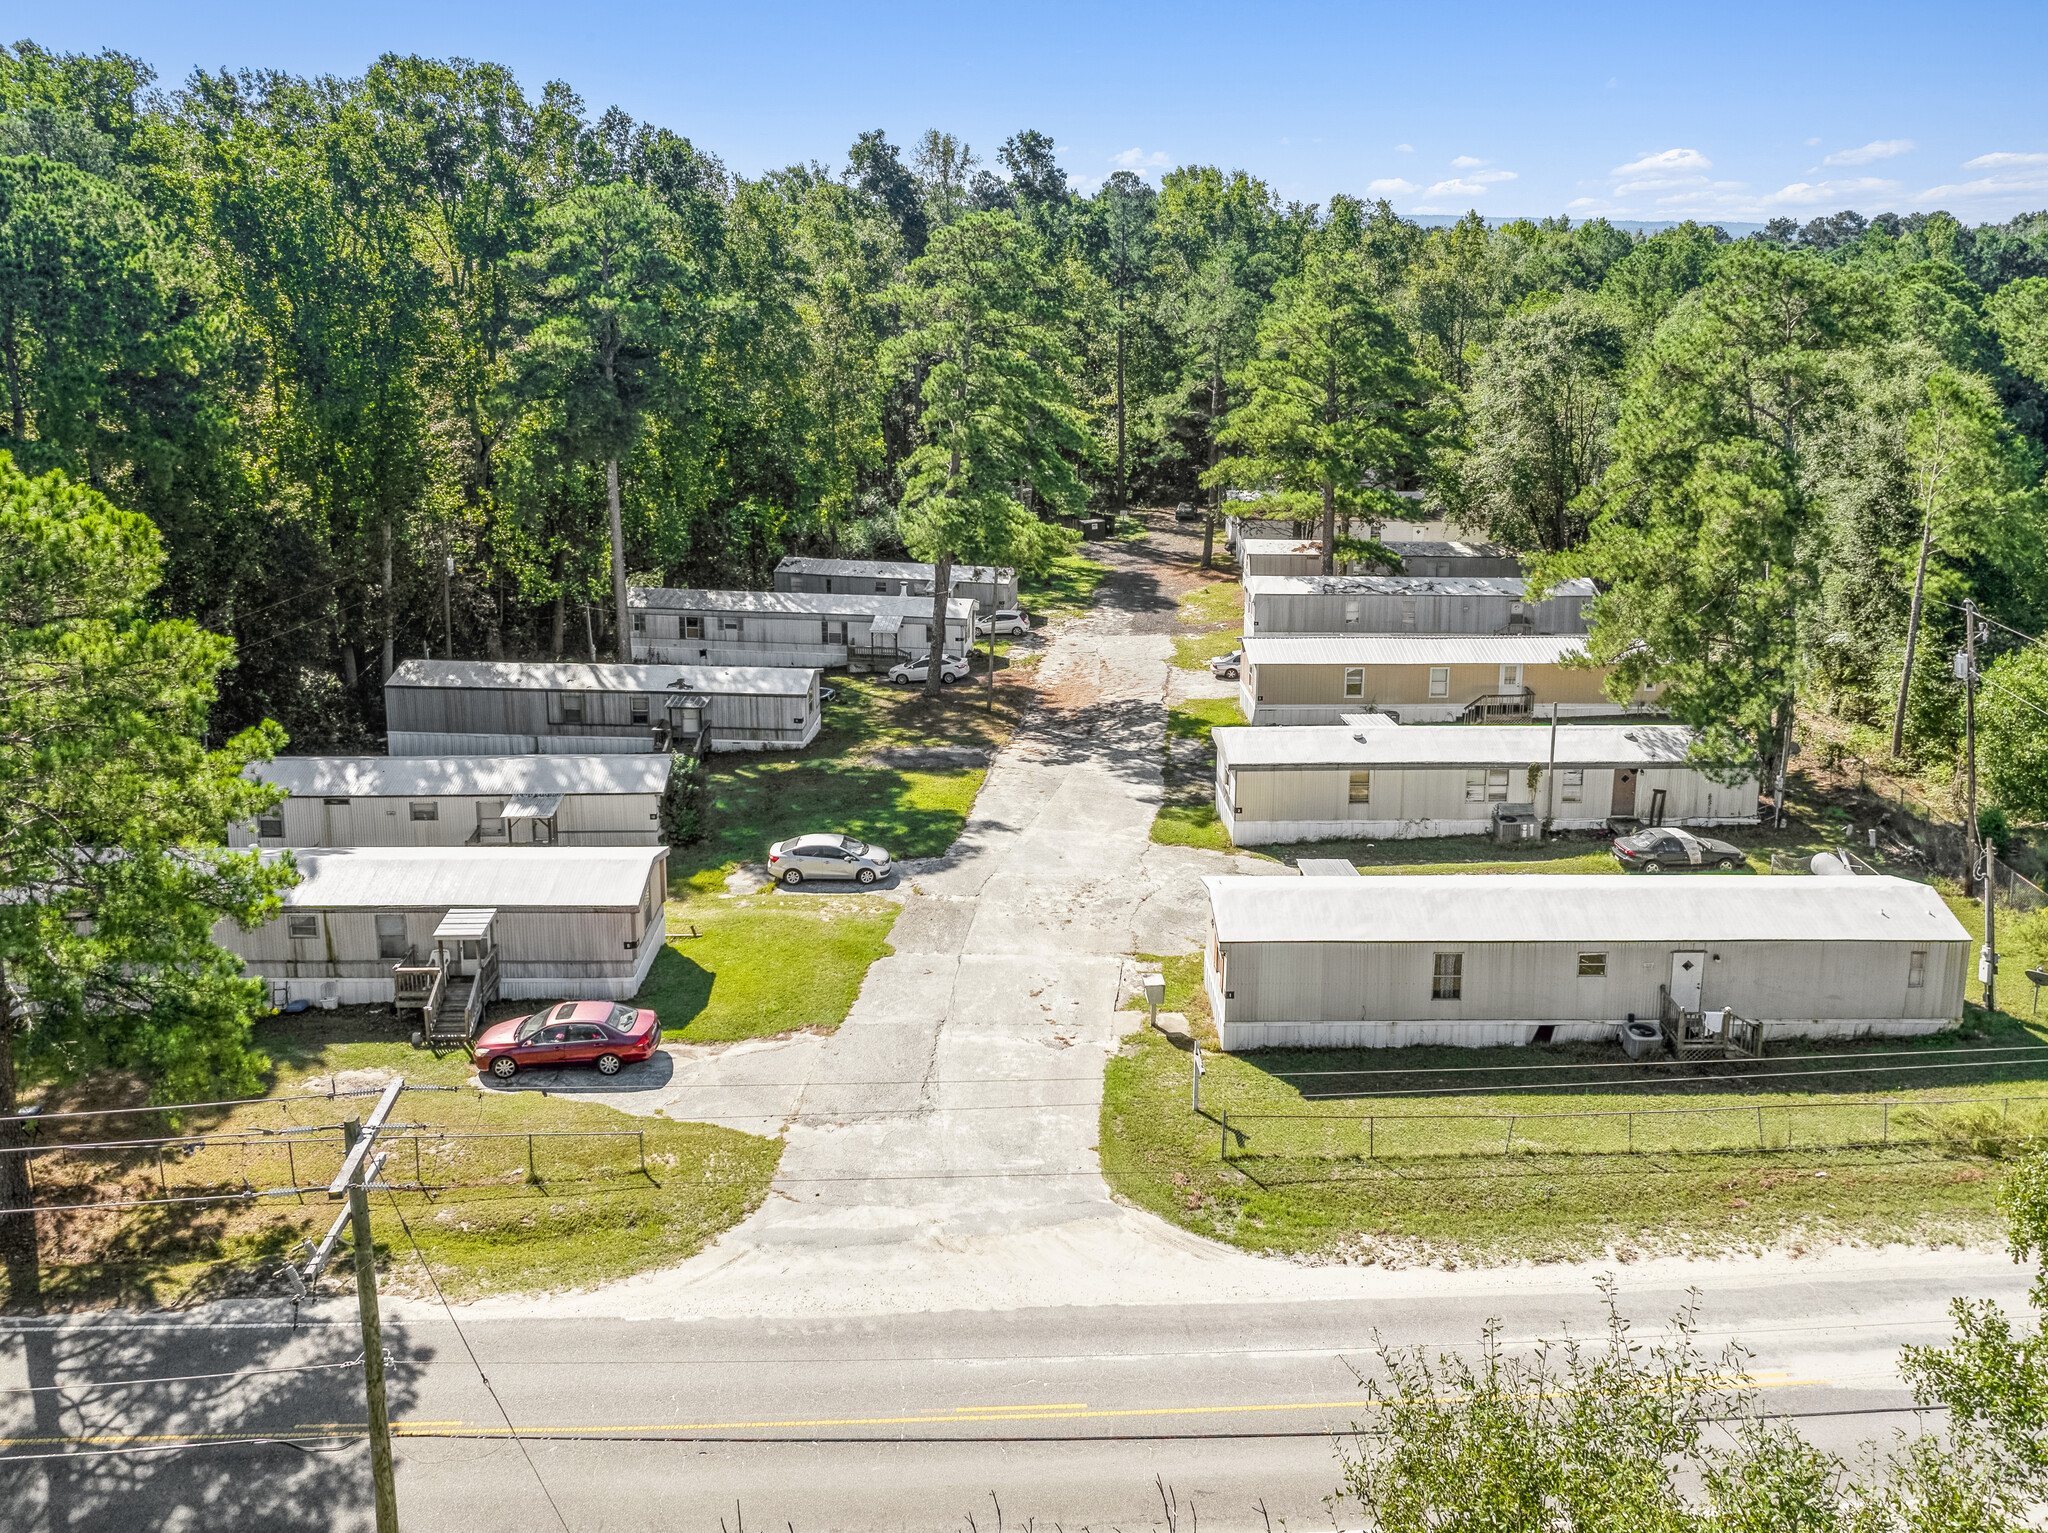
column 1687, row 970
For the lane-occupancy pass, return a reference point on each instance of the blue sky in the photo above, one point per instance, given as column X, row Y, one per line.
column 1738, row 112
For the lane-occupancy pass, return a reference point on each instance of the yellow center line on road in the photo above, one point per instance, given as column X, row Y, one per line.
column 959, row 1415
column 1060, row 1405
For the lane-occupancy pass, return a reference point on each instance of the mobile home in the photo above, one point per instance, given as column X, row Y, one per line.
column 1457, row 959
column 1304, row 556
column 805, row 628
column 989, row 587
column 1422, row 678
column 1493, row 604
column 580, row 923
column 520, row 708
column 1388, row 783
column 611, row 800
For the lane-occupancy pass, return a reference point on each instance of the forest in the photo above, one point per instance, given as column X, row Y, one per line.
column 386, row 361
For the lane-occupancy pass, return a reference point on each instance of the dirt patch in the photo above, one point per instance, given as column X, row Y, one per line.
column 920, row 758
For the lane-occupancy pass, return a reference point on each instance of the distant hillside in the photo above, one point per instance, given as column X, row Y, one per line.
column 1632, row 225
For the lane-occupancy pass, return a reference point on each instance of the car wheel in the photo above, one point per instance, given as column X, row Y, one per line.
column 1729, row 862
column 945, row 680
column 792, row 876
column 608, row 1064
column 504, row 1067
column 866, row 875
column 1652, row 866
column 1230, row 675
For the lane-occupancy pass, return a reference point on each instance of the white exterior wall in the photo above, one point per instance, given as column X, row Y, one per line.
column 1375, row 995
column 585, row 819
column 1265, row 807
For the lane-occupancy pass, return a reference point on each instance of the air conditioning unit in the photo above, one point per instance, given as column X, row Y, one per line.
column 1516, row 822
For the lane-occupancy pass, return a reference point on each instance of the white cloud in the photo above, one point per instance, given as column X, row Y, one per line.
column 1404, row 148
column 1458, row 188
column 1138, row 159
column 1802, row 194
column 1664, row 163
column 1466, row 162
column 1812, row 143
column 1429, row 210
column 1876, row 149
column 2002, row 160
column 1394, row 187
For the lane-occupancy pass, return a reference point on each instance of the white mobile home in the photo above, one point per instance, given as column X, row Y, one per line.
column 989, row 587
column 1481, row 960
column 580, row 923
column 1389, row 783
column 1493, row 604
column 520, row 708
column 610, row 800
column 1304, row 556
column 1422, row 678
column 806, row 628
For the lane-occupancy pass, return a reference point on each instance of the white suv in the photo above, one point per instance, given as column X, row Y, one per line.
column 953, row 668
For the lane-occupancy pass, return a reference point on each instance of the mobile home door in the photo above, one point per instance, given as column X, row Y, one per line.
column 1687, row 970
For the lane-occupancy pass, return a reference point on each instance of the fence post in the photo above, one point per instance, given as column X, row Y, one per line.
column 291, row 1165
column 1759, row 1130
column 643, row 1152
column 1631, row 1133
column 530, row 1176
column 163, row 1180
column 1371, row 1136
column 1223, row 1146
column 418, row 1177
column 1508, row 1143
column 1887, row 1123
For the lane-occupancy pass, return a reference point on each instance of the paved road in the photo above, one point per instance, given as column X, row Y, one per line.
column 940, row 1300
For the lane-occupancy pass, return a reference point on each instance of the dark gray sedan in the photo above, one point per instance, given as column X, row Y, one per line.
column 1664, row 847
column 827, row 856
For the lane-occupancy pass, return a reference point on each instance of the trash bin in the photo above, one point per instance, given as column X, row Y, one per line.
column 1516, row 822
column 1639, row 1040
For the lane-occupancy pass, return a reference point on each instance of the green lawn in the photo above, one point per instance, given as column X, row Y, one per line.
column 1067, row 587
column 1222, row 602
column 1194, row 651
column 1187, row 813
column 587, row 1215
column 769, row 963
column 1441, row 1191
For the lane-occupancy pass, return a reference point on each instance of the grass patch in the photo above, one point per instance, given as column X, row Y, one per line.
column 769, row 963
column 1187, row 813
column 588, row 1215
column 1442, row 1192
column 1194, row 651
column 1067, row 586
column 1222, row 602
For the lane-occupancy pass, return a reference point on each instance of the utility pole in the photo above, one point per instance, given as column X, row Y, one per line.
column 447, row 610
column 1979, row 849
column 352, row 1181
column 1912, row 636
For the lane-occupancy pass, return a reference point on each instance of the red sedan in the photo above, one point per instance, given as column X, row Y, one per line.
column 573, row 1033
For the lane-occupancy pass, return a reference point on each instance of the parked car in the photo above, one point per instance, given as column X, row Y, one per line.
column 1666, row 846
column 601, row 1033
column 827, row 856
column 1009, row 620
column 1227, row 666
column 953, row 668
column 1187, row 513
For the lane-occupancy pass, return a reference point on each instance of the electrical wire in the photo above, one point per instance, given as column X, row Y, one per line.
column 309, row 1445
column 460, row 1336
column 178, row 1378
column 2023, row 702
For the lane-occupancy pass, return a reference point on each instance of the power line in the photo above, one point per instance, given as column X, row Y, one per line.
column 303, row 1096
column 489, row 1389
column 179, row 1378
column 302, row 1445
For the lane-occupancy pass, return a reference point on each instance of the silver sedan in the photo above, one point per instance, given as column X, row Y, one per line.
column 827, row 856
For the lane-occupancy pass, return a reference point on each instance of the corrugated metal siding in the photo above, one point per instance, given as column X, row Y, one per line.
column 1395, row 685
column 1311, row 612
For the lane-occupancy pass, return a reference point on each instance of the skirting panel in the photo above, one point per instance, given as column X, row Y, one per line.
column 1241, row 1037
column 1287, row 832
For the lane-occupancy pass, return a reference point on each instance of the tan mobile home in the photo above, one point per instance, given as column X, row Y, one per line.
column 1421, row 678
column 581, row 923
column 610, row 800
column 1493, row 604
column 1475, row 960
column 802, row 628
column 1383, row 782
column 989, row 587
column 519, row 708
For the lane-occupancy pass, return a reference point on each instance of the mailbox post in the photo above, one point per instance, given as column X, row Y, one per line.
column 1154, row 986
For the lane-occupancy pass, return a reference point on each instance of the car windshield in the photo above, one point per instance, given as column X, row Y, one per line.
column 528, row 1026
column 853, row 847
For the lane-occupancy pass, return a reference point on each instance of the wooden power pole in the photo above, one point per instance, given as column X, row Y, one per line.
column 352, row 1182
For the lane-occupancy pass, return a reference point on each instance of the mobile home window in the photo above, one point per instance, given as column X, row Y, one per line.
column 1449, row 981
column 430, row 810
column 693, row 627
column 270, row 824
column 1351, row 610
column 1354, row 682
column 572, row 708
column 1361, row 787
column 639, row 622
column 301, row 927
column 1916, row 971
column 1592, row 965
column 1439, row 681
column 881, row 588
column 639, row 706
column 1486, row 785
column 729, row 625
column 1574, row 790
column 390, row 936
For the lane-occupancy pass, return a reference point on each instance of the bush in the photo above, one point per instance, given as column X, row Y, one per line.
column 686, row 804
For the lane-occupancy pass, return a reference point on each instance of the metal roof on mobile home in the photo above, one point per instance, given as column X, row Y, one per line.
column 1453, row 745
column 1510, row 586
column 1413, row 649
column 453, row 776
column 1418, row 549
column 884, row 569
column 441, row 877
column 569, row 676
column 1578, row 907
column 792, row 603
